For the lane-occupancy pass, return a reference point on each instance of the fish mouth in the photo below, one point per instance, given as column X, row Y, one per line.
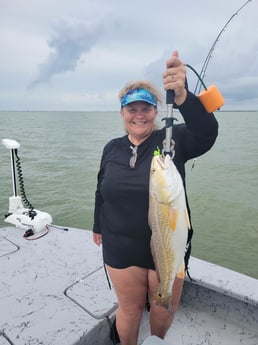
column 161, row 162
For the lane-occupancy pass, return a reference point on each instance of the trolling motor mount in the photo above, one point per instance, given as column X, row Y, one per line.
column 29, row 219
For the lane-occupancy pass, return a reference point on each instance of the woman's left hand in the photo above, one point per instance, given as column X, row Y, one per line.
column 174, row 78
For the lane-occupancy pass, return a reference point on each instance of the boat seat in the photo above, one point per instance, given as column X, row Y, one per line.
column 153, row 340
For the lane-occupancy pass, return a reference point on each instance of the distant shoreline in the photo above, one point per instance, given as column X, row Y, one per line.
column 116, row 110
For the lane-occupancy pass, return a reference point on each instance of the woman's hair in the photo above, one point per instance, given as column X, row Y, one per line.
column 141, row 84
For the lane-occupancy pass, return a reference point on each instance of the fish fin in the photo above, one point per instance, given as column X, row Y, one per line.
column 187, row 219
column 173, row 218
column 154, row 258
column 181, row 271
column 164, row 301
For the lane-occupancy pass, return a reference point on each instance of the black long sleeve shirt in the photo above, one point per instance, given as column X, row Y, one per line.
column 121, row 199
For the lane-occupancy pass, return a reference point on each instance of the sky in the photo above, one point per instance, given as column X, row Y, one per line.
column 75, row 55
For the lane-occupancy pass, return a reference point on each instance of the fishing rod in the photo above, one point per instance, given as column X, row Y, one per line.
column 209, row 102
column 170, row 97
column 208, row 57
column 210, row 98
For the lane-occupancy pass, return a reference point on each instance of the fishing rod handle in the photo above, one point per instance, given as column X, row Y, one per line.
column 170, row 97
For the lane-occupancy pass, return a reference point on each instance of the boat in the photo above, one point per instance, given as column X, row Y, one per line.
column 54, row 290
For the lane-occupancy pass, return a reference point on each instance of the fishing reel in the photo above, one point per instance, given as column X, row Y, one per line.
column 33, row 221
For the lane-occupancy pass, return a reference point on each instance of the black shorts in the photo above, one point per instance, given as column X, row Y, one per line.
column 121, row 251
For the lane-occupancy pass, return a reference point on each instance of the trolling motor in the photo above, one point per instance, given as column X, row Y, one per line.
column 33, row 221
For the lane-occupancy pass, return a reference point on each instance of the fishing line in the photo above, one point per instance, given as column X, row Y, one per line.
column 208, row 57
column 198, row 76
column 210, row 98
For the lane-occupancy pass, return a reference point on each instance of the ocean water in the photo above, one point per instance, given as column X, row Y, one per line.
column 60, row 154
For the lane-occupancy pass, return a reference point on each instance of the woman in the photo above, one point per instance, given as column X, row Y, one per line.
column 121, row 201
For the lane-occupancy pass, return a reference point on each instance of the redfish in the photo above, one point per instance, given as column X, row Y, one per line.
column 169, row 222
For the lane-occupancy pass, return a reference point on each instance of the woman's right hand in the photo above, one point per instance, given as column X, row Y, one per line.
column 97, row 238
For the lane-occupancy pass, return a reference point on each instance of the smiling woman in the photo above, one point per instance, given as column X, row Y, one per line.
column 139, row 121
column 139, row 110
column 122, row 197
column 139, row 101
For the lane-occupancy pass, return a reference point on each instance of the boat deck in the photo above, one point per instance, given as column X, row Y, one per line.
column 54, row 291
column 207, row 317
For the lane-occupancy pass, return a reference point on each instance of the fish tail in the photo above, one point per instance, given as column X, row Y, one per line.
column 164, row 301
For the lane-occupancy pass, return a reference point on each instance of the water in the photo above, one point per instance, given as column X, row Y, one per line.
column 60, row 153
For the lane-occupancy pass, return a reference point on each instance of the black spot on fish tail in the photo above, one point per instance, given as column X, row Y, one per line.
column 164, row 301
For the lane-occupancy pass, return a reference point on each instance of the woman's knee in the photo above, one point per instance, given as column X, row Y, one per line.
column 132, row 310
column 131, row 286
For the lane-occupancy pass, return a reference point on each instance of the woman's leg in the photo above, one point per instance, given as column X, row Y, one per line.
column 160, row 318
column 131, row 285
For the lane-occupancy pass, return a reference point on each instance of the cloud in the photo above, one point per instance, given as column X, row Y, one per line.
column 70, row 39
column 98, row 46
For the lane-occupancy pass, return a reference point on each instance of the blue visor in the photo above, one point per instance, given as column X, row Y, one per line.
column 138, row 95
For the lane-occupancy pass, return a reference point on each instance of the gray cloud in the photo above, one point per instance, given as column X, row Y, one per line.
column 70, row 39
column 101, row 56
